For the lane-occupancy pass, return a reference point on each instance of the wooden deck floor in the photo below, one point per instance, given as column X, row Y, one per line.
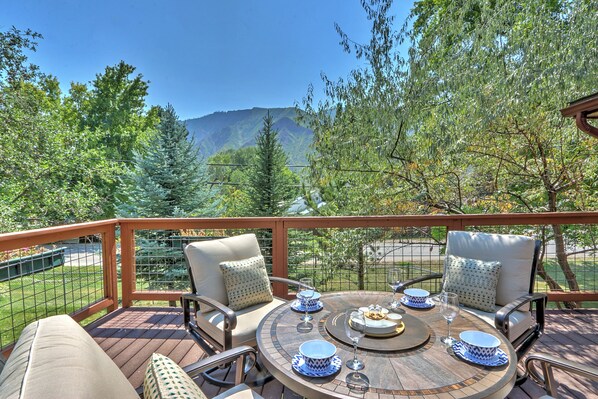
column 130, row 336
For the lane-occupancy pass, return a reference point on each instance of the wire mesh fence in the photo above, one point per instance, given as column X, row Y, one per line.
column 160, row 261
column 45, row 280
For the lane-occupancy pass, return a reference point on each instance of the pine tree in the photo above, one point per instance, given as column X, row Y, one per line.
column 270, row 180
column 169, row 180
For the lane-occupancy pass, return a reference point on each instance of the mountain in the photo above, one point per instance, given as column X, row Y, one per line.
column 236, row 129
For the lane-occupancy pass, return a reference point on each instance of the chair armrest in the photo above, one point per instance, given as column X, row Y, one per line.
column 548, row 362
column 419, row 280
column 230, row 318
column 287, row 281
column 501, row 319
column 239, row 353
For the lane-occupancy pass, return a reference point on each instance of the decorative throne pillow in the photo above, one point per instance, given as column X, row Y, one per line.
column 246, row 282
column 473, row 280
column 165, row 379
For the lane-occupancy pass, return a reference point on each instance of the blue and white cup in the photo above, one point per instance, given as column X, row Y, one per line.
column 317, row 354
column 416, row 296
column 480, row 345
column 311, row 303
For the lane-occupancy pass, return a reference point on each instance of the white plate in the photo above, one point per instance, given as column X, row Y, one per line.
column 383, row 326
column 299, row 366
column 298, row 307
column 500, row 359
column 426, row 305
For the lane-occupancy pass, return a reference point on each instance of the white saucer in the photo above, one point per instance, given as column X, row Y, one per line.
column 299, row 366
column 426, row 305
column 500, row 359
column 298, row 307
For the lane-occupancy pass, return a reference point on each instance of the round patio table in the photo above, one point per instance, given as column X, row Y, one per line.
column 429, row 370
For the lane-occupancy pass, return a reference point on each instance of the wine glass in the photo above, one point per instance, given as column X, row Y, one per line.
column 394, row 278
column 306, row 292
column 355, row 330
column 449, row 309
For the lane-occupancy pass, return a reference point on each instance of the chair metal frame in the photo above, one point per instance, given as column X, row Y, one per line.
column 547, row 363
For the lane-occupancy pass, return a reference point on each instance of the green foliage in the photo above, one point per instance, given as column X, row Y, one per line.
column 231, row 169
column 62, row 155
column 13, row 61
column 469, row 122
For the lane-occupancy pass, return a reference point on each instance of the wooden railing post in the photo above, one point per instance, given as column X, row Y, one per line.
column 109, row 266
column 127, row 251
column 280, row 256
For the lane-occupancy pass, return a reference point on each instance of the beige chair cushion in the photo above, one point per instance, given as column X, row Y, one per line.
column 239, row 392
column 246, row 282
column 473, row 280
column 519, row 322
column 515, row 253
column 204, row 258
column 248, row 320
column 165, row 379
column 55, row 358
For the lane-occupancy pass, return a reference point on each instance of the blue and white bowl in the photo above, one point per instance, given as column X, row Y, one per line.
column 311, row 302
column 416, row 296
column 317, row 354
column 480, row 345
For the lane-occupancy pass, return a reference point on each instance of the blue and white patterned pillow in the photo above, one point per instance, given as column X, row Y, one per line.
column 473, row 280
column 246, row 282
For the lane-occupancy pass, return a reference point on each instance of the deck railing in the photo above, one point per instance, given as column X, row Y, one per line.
column 339, row 252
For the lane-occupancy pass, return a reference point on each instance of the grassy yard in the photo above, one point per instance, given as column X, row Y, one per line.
column 60, row 290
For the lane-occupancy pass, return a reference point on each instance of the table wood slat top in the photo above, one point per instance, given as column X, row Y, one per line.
column 428, row 371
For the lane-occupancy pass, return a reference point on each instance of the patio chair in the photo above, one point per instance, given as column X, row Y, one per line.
column 546, row 377
column 223, row 311
column 511, row 283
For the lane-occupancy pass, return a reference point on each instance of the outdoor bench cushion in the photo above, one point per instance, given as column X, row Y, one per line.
column 55, row 358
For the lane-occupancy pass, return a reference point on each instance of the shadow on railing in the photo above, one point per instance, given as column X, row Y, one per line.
column 341, row 253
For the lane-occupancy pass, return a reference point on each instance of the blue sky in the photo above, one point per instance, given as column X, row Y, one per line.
column 201, row 56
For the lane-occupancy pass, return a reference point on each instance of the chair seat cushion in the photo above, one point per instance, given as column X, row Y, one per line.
column 239, row 392
column 247, row 321
column 166, row 379
column 246, row 282
column 473, row 280
column 519, row 321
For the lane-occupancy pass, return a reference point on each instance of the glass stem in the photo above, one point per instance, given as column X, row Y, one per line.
column 449, row 328
column 306, row 316
column 354, row 352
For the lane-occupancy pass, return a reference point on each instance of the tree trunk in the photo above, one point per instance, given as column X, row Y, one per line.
column 561, row 253
column 361, row 269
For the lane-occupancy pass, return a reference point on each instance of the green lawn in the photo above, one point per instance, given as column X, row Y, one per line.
column 60, row 290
